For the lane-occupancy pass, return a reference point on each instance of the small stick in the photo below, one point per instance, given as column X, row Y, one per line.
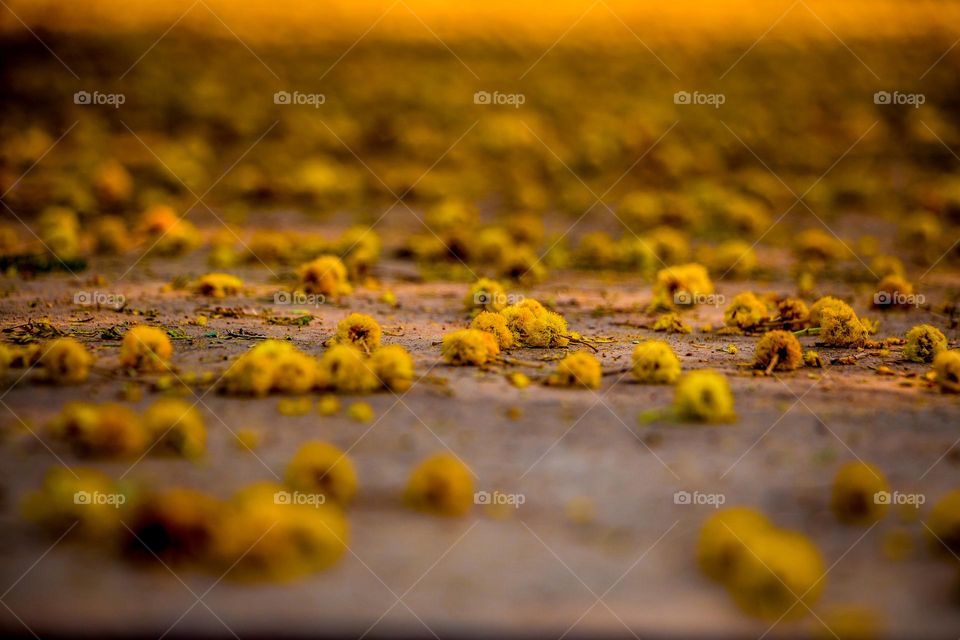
column 583, row 342
column 774, row 361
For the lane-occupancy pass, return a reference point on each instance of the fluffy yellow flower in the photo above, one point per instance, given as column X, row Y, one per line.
column 146, row 349
column 360, row 330
column 943, row 524
column 319, row 467
column 577, row 370
column 779, row 350
column 175, row 525
column 725, row 538
column 106, row 430
column 218, row 285
column 327, row 276
column 654, row 362
column 782, row 572
column 893, row 291
column 65, row 361
column 854, row 499
column 495, row 324
column 924, row 342
column 704, row 396
column 393, row 366
column 946, row 364
column 176, row 426
column 441, row 485
column 469, row 347
column 267, row 534
column 344, row 368
column 746, row 311
column 85, row 498
column 485, row 295
column 840, row 326
column 682, row 284
column 533, row 325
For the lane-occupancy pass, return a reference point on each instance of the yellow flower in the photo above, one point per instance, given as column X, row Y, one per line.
column 294, row 372
column 535, row 326
column 393, row 366
column 818, row 245
column 249, row 375
column 65, row 361
column 725, row 538
column 485, row 295
column 947, row 366
column 469, row 347
column 344, row 368
column 671, row 323
column 854, row 499
column 943, row 524
column 326, row 275
column 272, row 365
column 146, row 349
column 735, row 257
column 780, row 350
column 495, row 324
column 682, row 284
column 176, row 426
column 267, row 535
column 577, row 370
column 442, row 485
column 318, row 467
column 892, row 292
column 110, row 235
column 107, row 430
column 826, row 302
column 746, row 311
column 793, row 313
column 654, row 362
column 840, row 326
column 176, row 526
column 218, row 285
column 360, row 330
column 924, row 342
column 328, row 404
column 360, row 412
column 781, row 574
column 87, row 497
column 704, row 396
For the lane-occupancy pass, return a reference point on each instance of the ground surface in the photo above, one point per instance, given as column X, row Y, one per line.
column 532, row 569
column 599, row 546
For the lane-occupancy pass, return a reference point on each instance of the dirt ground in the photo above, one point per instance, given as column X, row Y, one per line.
column 547, row 567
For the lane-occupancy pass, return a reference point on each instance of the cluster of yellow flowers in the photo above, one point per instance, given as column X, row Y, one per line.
column 111, row 430
column 266, row 531
column 769, row 572
column 277, row 366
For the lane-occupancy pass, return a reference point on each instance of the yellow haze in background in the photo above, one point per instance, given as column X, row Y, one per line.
column 691, row 21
